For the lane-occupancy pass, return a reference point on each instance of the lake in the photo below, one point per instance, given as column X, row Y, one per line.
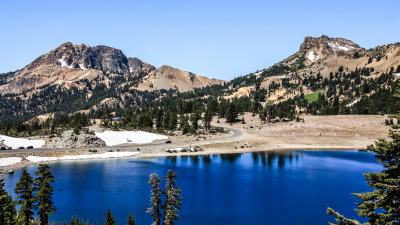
column 291, row 187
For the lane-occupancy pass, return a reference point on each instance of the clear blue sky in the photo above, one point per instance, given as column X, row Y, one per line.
column 221, row 39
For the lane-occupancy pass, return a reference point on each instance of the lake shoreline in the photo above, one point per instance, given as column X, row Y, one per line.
column 26, row 163
column 317, row 133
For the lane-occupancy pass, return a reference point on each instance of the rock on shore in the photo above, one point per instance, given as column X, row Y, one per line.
column 70, row 140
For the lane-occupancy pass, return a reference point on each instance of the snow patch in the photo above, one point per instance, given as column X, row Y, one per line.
column 112, row 138
column 258, row 73
column 312, row 57
column 337, row 46
column 396, row 74
column 21, row 142
column 10, row 161
column 83, row 76
column 105, row 155
column 351, row 104
column 64, row 63
column 40, row 159
column 82, row 66
column 130, row 70
column 100, row 155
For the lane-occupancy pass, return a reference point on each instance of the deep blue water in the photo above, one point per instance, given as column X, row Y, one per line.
column 293, row 187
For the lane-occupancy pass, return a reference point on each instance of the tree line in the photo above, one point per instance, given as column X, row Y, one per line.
column 35, row 195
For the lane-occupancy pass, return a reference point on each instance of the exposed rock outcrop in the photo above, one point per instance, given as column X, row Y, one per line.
column 68, row 64
column 137, row 66
column 316, row 48
column 70, row 140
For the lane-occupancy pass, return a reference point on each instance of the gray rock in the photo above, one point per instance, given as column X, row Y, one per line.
column 70, row 140
column 99, row 57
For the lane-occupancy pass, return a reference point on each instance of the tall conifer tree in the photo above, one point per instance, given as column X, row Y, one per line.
column 110, row 220
column 44, row 193
column 382, row 205
column 131, row 219
column 155, row 200
column 7, row 206
column 25, row 197
column 172, row 198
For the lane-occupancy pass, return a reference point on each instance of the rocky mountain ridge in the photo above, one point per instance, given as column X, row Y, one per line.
column 321, row 57
column 53, row 83
column 70, row 63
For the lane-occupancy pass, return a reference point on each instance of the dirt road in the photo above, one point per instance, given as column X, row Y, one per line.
column 156, row 146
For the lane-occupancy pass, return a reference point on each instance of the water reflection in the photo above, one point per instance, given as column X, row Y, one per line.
column 206, row 159
column 268, row 158
column 271, row 185
column 230, row 157
column 265, row 159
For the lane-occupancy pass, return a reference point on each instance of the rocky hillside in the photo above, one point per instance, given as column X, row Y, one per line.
column 68, row 64
column 326, row 75
column 322, row 47
column 324, row 54
column 80, row 77
column 322, row 57
column 167, row 77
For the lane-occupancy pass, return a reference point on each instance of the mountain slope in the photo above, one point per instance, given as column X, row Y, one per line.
column 323, row 56
column 326, row 76
column 68, row 64
column 167, row 77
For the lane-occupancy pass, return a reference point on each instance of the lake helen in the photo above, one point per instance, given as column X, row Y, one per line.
column 291, row 187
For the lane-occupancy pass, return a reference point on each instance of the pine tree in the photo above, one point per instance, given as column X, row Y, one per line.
column 173, row 121
column 382, row 205
column 77, row 221
column 155, row 200
column 110, row 220
column 232, row 113
column 207, row 119
column 159, row 118
column 44, row 193
column 7, row 206
column 182, row 121
column 24, row 193
column 166, row 120
column 131, row 219
column 194, row 119
column 172, row 198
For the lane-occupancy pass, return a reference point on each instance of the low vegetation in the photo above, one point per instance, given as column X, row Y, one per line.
column 312, row 97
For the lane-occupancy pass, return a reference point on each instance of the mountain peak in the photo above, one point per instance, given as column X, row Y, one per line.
column 329, row 44
column 84, row 57
column 66, row 44
column 316, row 48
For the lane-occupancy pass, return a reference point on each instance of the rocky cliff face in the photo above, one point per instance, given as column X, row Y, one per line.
column 328, row 44
column 85, row 57
column 136, row 66
column 316, row 48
